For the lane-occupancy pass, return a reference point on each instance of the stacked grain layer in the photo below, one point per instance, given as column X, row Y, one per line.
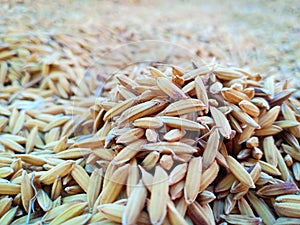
column 162, row 145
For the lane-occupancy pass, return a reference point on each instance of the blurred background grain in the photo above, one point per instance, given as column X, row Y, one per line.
column 260, row 35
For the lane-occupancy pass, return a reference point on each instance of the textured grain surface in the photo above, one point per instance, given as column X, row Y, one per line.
column 181, row 134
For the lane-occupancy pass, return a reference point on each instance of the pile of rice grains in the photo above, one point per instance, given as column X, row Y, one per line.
column 163, row 144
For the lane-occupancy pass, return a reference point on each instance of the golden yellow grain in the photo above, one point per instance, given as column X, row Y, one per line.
column 31, row 159
column 151, row 135
column 166, row 162
column 167, row 147
column 269, row 150
column 44, row 200
column 241, row 219
column 130, row 135
column 291, row 151
column 225, row 183
column 184, row 106
column 5, row 204
column 287, row 221
column 3, row 123
column 202, row 70
column 26, row 191
column 181, row 123
column 212, row 148
column 56, row 211
column 201, row 92
column 193, row 179
column 170, row 89
column 5, row 171
column 19, row 123
column 174, row 135
column 230, row 203
column 198, row 214
column 111, row 191
column 239, row 172
column 31, row 140
column 13, row 145
column 106, row 154
column 260, row 102
column 233, row 96
column 282, row 167
column 9, row 189
column 269, row 131
column 133, row 176
column 115, row 211
column 176, row 190
column 80, row 176
column 118, row 108
column 78, row 220
column 288, row 114
column 244, row 207
column 59, row 121
column 205, row 197
column 157, row 206
column 56, row 188
column 174, row 216
column 60, row 145
column 235, row 124
column 243, row 117
column 98, row 218
column 289, row 209
column 7, row 218
column 135, row 204
column 221, row 122
column 178, row 80
column 156, row 73
column 127, row 82
column 125, row 92
column 288, row 198
column 296, row 170
column 261, row 209
column 266, row 167
column 147, row 178
column 150, row 160
column 3, row 72
column 189, row 88
column 277, row 189
column 249, row 108
column 71, row 212
column 141, row 110
column 209, row 175
column 94, row 187
column 129, row 151
column 178, row 173
column 267, row 119
column 73, row 189
column 61, row 170
column 73, row 153
column 31, row 123
column 286, row 123
column 227, row 74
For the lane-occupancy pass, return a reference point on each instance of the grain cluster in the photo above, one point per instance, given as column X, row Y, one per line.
column 161, row 145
